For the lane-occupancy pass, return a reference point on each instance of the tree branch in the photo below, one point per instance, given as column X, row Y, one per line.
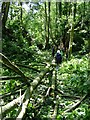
column 28, row 67
column 77, row 104
column 10, row 105
column 8, row 63
column 9, row 77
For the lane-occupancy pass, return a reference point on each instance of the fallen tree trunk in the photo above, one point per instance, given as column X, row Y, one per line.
column 54, row 116
column 10, row 105
column 30, row 90
column 22, row 108
column 28, row 93
column 8, row 63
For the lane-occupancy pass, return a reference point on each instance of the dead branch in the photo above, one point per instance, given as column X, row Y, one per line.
column 9, row 77
column 11, row 105
column 67, row 96
column 77, row 104
column 70, row 96
column 8, row 63
column 48, row 91
column 11, row 93
column 22, row 109
column 60, row 92
column 29, row 67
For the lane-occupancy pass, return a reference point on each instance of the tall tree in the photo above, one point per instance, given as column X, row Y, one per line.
column 21, row 10
column 60, row 9
column 75, row 5
column 56, row 30
column 45, row 22
column 71, row 32
column 48, row 26
column 4, row 11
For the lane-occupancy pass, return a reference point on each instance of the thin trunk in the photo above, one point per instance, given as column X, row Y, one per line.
column 48, row 20
column 66, row 9
column 21, row 10
column 69, row 8
column 71, row 39
column 56, row 30
column 71, row 33
column 5, row 10
column 10, row 105
column 11, row 13
column 84, row 8
column 45, row 21
column 60, row 9
column 74, row 11
column 47, row 38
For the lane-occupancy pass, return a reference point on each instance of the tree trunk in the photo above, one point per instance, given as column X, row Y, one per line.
column 56, row 30
column 74, row 11
column 11, row 12
column 71, row 33
column 45, row 22
column 21, row 10
column 5, row 10
column 71, row 40
column 60, row 9
column 47, row 38
column 69, row 8
column 84, row 8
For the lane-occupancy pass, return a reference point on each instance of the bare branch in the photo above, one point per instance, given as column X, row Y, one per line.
column 29, row 67
column 9, row 77
column 77, row 104
column 8, row 63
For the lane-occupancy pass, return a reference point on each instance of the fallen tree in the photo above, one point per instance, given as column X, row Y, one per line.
column 8, row 63
column 28, row 92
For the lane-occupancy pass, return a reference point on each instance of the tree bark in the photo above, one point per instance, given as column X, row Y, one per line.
column 48, row 31
column 75, row 5
column 29, row 92
column 60, row 9
column 10, row 105
column 5, row 10
column 9, row 77
column 71, row 33
column 21, row 11
column 8, row 63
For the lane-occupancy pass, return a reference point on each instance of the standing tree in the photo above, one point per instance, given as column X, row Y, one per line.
column 4, row 11
column 71, row 31
column 48, row 25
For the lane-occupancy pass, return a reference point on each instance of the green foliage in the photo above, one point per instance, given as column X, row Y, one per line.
column 75, row 75
column 21, row 44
